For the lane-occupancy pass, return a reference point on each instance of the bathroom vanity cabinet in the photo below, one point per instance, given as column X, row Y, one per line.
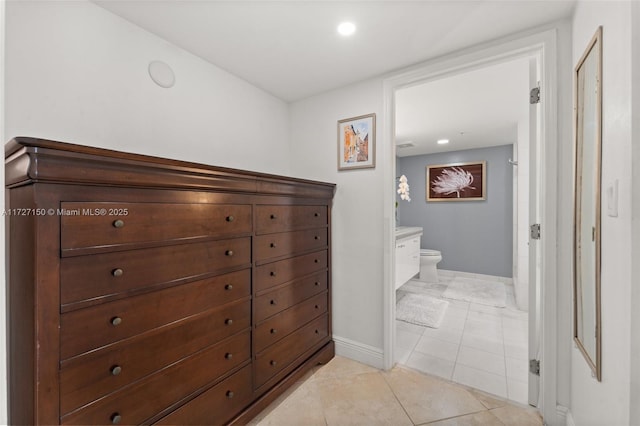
column 407, row 254
column 146, row 290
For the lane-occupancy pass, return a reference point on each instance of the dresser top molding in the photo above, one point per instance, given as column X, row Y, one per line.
column 30, row 160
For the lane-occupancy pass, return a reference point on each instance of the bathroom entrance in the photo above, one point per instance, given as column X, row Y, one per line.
column 464, row 317
column 473, row 195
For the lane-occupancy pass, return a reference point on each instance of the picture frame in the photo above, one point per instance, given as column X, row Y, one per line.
column 587, row 201
column 457, row 182
column 357, row 142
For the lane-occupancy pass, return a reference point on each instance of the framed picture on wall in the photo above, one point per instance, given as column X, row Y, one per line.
column 357, row 142
column 457, row 182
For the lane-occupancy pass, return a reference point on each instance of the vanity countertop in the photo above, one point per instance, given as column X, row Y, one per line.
column 407, row 231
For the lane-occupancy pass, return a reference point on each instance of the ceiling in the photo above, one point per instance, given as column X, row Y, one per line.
column 477, row 109
column 291, row 48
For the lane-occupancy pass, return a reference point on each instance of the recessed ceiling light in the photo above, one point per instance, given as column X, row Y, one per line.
column 405, row 145
column 347, row 28
column 443, row 141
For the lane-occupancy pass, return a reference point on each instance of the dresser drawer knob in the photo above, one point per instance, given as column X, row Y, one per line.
column 274, row 331
column 229, row 394
column 228, row 287
column 315, row 260
column 272, row 273
column 272, row 245
column 317, row 307
column 273, row 363
column 116, row 321
column 316, row 237
column 117, row 272
column 115, row 370
column 229, row 253
column 273, row 302
column 116, row 418
column 228, row 355
column 317, row 283
column 230, row 218
column 119, row 223
column 273, row 216
column 228, row 321
column 316, row 214
column 317, row 332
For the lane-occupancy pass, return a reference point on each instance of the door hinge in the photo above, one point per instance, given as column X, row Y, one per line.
column 535, row 231
column 534, row 95
column 534, row 366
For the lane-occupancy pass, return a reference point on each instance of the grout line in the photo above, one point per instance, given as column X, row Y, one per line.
column 455, row 363
column 457, row 417
column 397, row 399
column 504, row 350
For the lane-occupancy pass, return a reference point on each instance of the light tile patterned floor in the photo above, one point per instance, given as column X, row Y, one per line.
column 477, row 345
column 345, row 392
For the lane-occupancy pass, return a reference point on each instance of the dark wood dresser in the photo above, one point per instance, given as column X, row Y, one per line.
column 142, row 290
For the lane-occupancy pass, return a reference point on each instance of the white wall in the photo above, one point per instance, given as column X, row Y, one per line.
column 635, row 238
column 357, row 218
column 3, row 342
column 564, row 292
column 608, row 402
column 521, row 207
column 78, row 73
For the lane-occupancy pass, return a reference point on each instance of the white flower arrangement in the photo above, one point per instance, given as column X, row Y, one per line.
column 403, row 188
column 451, row 181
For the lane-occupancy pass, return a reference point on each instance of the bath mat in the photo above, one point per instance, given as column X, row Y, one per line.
column 421, row 309
column 491, row 293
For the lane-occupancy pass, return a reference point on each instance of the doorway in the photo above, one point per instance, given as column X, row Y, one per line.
column 480, row 290
column 542, row 47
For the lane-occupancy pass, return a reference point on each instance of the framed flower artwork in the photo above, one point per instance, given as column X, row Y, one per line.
column 457, row 182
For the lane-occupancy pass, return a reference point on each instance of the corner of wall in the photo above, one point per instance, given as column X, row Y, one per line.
column 564, row 336
column 634, row 415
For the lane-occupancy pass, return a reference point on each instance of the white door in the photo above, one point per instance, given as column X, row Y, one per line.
column 535, row 249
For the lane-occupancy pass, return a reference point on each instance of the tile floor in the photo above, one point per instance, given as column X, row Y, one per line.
column 345, row 392
column 480, row 346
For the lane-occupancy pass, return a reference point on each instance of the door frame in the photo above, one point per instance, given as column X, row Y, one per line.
column 543, row 46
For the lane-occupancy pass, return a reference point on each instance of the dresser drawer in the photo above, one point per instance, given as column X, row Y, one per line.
column 217, row 405
column 100, row 275
column 101, row 373
column 91, row 328
column 283, row 271
column 283, row 353
column 280, row 244
column 143, row 399
column 275, row 218
column 129, row 223
column 268, row 304
column 279, row 326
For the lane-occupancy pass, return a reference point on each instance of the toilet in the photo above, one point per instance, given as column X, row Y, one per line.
column 428, row 261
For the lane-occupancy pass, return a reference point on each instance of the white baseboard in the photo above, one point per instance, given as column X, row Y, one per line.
column 564, row 416
column 449, row 273
column 358, row 351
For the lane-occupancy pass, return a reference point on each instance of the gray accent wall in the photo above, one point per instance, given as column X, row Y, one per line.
column 473, row 236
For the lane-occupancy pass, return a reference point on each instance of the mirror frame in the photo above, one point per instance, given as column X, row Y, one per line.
column 595, row 47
